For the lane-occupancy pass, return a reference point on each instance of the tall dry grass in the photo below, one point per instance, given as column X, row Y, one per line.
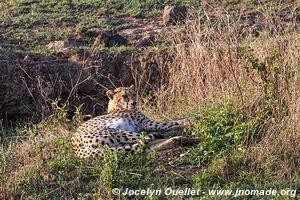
column 207, row 65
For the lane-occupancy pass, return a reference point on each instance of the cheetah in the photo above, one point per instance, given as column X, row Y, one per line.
column 120, row 129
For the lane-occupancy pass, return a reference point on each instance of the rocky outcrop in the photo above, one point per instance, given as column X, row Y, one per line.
column 174, row 14
column 27, row 88
column 109, row 39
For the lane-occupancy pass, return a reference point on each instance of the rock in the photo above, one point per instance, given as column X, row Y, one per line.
column 60, row 45
column 109, row 39
column 174, row 14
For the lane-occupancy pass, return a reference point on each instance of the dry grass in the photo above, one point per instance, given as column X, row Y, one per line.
column 277, row 154
column 208, row 66
column 26, row 156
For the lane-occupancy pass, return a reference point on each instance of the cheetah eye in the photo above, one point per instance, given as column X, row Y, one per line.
column 125, row 96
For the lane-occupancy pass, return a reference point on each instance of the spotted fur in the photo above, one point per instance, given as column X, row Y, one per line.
column 119, row 129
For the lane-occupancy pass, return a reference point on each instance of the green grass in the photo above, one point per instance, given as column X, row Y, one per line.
column 30, row 25
column 55, row 172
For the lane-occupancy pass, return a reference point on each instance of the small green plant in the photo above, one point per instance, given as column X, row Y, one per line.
column 221, row 129
column 272, row 75
column 60, row 112
column 110, row 168
column 79, row 117
column 268, row 75
column 122, row 171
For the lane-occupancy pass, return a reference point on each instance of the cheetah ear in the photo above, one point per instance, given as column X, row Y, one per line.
column 132, row 87
column 110, row 94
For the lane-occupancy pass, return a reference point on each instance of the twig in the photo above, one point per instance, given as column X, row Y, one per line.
column 24, row 71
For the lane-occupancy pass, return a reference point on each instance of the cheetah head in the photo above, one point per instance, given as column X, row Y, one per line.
column 122, row 98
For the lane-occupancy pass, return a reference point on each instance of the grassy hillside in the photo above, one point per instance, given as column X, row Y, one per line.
column 26, row 27
column 234, row 65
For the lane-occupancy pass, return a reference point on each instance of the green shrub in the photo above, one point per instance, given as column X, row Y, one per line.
column 221, row 129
